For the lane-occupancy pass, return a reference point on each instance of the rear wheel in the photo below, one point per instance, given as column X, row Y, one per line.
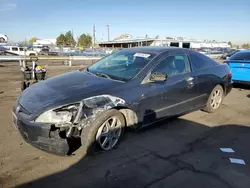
column 215, row 99
column 104, row 133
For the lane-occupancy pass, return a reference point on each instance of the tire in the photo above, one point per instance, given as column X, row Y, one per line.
column 90, row 142
column 2, row 40
column 23, row 86
column 213, row 103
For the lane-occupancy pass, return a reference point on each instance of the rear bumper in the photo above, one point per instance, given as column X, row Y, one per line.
column 229, row 88
column 39, row 136
column 240, row 76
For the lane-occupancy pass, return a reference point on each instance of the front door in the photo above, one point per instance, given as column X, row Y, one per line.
column 171, row 97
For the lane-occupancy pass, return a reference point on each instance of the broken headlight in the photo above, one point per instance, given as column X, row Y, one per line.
column 65, row 114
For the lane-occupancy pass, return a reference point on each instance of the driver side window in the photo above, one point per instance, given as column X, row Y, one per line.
column 173, row 65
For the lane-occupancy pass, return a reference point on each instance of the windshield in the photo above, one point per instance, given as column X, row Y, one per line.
column 241, row 56
column 122, row 65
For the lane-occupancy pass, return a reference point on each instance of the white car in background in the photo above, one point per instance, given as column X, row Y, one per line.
column 20, row 51
column 37, row 47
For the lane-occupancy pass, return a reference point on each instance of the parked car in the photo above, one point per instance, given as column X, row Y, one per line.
column 240, row 66
column 3, row 52
column 230, row 53
column 225, row 54
column 47, row 52
column 132, row 87
column 38, row 47
column 20, row 51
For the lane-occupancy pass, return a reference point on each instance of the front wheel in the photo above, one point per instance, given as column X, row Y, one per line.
column 215, row 99
column 104, row 133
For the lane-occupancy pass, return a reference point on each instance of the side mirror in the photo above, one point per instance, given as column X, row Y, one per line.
column 158, row 77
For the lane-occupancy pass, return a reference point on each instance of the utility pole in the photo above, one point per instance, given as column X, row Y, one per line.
column 102, row 37
column 93, row 45
column 72, row 33
column 108, row 31
column 25, row 46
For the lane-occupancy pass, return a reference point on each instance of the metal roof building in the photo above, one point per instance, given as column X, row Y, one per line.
column 128, row 43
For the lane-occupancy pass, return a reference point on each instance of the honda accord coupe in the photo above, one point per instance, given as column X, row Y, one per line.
column 133, row 87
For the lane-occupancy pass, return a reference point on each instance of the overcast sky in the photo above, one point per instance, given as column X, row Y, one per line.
column 222, row 20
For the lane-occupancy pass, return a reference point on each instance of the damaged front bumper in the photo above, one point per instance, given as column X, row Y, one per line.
column 40, row 136
column 58, row 136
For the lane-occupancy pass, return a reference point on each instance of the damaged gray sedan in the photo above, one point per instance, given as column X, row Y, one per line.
column 131, row 88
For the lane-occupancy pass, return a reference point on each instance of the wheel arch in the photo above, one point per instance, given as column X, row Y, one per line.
column 103, row 103
column 130, row 116
column 224, row 88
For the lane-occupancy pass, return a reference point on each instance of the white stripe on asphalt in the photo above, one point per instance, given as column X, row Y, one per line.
column 237, row 161
column 227, row 150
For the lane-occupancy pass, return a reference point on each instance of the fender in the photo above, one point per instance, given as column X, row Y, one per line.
column 90, row 108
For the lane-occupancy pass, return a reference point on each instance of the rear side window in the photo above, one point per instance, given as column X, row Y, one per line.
column 200, row 61
column 241, row 56
column 14, row 49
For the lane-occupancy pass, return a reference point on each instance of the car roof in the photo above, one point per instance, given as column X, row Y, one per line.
column 155, row 49
column 243, row 51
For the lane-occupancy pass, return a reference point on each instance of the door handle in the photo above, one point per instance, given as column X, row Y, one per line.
column 190, row 82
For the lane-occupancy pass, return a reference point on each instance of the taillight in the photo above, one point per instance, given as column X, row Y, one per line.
column 230, row 74
column 226, row 62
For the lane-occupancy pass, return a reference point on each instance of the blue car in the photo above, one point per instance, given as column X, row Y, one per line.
column 239, row 64
column 133, row 87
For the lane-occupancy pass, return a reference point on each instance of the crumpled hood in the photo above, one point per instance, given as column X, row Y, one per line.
column 70, row 87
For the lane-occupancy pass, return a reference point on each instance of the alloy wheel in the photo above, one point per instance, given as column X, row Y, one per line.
column 109, row 133
column 216, row 98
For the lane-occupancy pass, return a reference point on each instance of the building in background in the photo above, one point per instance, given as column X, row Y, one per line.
column 126, row 41
column 45, row 42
